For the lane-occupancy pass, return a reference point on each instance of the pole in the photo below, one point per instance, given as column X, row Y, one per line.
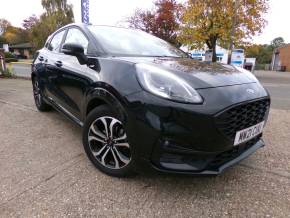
column 233, row 31
column 2, row 61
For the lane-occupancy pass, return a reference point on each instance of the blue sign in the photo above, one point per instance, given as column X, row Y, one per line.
column 85, row 11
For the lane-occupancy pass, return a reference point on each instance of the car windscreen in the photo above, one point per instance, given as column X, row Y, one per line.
column 128, row 42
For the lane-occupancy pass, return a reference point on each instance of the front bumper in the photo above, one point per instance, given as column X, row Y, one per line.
column 185, row 138
column 206, row 164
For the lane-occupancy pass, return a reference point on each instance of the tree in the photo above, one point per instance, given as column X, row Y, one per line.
column 53, row 6
column 15, row 35
column 57, row 14
column 10, row 34
column 29, row 22
column 262, row 53
column 162, row 21
column 212, row 21
column 4, row 24
column 277, row 42
column 2, row 40
column 39, row 32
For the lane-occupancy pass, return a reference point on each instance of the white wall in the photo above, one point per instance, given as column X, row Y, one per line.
column 6, row 47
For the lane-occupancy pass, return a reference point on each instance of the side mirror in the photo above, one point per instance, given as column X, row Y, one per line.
column 75, row 50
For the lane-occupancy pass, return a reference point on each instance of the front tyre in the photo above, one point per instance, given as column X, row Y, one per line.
column 38, row 97
column 106, row 144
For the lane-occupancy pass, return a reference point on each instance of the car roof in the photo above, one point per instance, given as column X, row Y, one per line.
column 100, row 25
column 84, row 26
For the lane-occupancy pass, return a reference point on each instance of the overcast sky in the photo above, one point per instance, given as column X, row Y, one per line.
column 111, row 12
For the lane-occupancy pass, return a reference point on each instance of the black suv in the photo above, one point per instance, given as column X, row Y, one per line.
column 144, row 104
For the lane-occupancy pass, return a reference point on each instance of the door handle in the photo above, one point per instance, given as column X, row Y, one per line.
column 58, row 63
column 40, row 58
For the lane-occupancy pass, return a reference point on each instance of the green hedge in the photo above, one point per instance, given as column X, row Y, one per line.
column 8, row 60
column 262, row 67
column 9, row 55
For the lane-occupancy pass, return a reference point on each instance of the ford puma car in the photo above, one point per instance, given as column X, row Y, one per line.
column 145, row 105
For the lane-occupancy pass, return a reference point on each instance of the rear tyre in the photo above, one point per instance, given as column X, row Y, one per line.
column 106, row 144
column 38, row 97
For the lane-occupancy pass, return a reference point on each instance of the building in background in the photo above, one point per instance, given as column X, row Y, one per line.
column 23, row 50
column 281, row 58
column 196, row 54
column 238, row 55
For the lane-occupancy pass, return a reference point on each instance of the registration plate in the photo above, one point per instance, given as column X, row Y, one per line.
column 248, row 133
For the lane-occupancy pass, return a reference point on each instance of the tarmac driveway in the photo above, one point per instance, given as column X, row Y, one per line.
column 44, row 172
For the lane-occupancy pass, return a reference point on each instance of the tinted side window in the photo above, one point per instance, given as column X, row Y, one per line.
column 76, row 36
column 56, row 41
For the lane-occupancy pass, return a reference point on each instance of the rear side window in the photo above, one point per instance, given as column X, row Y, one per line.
column 55, row 43
column 76, row 36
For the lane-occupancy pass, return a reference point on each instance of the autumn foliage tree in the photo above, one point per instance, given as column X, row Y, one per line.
column 162, row 21
column 11, row 34
column 212, row 21
column 262, row 53
column 15, row 35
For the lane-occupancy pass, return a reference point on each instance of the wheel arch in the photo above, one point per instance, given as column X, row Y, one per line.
column 101, row 96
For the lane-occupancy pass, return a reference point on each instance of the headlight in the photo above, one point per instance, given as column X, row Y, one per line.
column 165, row 84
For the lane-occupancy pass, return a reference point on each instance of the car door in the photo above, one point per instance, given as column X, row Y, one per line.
column 52, row 66
column 73, row 78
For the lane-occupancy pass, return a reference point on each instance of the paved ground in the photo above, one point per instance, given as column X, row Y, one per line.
column 44, row 171
column 278, row 84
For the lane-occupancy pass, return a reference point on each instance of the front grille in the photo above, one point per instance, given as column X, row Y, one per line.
column 241, row 117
